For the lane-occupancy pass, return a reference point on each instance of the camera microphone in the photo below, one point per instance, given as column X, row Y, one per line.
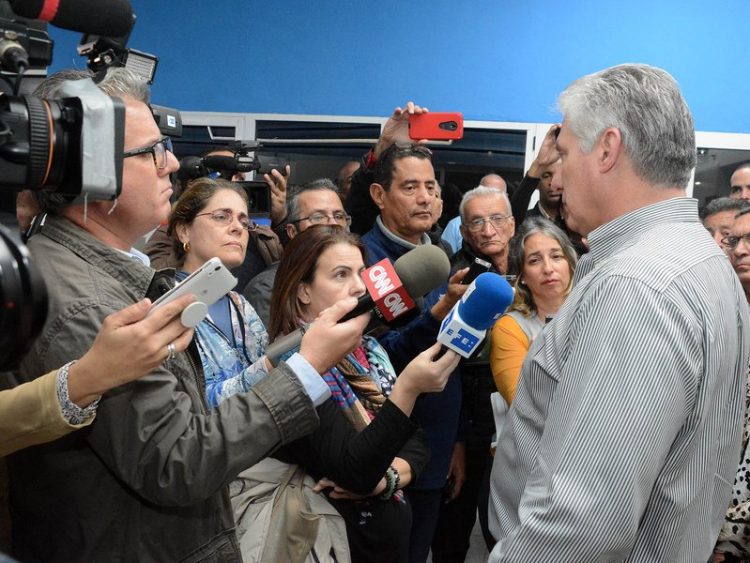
column 108, row 18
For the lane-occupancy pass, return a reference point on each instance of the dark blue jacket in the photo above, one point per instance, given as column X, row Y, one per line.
column 436, row 413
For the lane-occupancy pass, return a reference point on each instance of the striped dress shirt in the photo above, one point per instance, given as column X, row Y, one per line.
column 623, row 438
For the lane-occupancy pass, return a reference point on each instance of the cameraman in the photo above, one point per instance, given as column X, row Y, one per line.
column 128, row 346
column 148, row 481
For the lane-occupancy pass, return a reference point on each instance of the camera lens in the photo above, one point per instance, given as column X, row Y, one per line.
column 23, row 297
column 34, row 144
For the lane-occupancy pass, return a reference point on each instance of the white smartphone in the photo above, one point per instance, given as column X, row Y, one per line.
column 208, row 283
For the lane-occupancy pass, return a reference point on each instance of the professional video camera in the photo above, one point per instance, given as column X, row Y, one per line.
column 258, row 192
column 71, row 146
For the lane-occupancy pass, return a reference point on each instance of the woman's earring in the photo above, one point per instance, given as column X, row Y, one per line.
column 186, row 247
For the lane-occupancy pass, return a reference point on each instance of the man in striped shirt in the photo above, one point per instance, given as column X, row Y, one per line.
column 623, row 438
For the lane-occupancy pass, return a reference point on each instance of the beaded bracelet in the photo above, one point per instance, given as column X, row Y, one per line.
column 392, row 481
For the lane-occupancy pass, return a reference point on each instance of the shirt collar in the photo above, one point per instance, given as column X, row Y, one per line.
column 138, row 255
column 397, row 239
column 622, row 232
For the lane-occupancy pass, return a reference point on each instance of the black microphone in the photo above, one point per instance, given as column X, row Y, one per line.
column 108, row 18
column 389, row 294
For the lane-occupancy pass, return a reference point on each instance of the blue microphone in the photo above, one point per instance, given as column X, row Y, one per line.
column 484, row 301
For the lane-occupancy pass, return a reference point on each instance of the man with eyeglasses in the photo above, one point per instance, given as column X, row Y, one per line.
column 734, row 539
column 314, row 203
column 487, row 225
column 718, row 216
column 148, row 480
column 452, row 235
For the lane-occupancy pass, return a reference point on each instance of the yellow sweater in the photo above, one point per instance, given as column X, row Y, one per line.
column 30, row 414
column 509, row 347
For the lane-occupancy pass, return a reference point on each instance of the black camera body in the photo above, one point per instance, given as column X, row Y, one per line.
column 258, row 198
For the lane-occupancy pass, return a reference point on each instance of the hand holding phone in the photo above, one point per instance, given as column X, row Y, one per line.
column 436, row 126
column 208, row 283
column 478, row 266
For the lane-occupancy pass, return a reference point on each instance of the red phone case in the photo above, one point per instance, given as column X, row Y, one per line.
column 437, row 126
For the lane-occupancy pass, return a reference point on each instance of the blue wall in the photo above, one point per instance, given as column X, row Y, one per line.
column 502, row 60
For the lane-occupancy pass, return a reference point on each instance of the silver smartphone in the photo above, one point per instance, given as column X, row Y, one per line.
column 208, row 283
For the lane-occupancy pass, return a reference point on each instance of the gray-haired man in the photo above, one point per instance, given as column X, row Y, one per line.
column 146, row 482
column 623, row 437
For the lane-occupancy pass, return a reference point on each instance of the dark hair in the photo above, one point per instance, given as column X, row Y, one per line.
column 192, row 201
column 524, row 300
column 386, row 166
column 298, row 265
column 722, row 204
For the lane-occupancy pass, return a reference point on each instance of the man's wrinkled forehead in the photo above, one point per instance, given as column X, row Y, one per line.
column 489, row 204
column 411, row 168
column 324, row 200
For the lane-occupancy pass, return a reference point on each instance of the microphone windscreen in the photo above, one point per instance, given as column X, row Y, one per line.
column 485, row 300
column 107, row 18
column 422, row 269
column 220, row 162
column 191, row 167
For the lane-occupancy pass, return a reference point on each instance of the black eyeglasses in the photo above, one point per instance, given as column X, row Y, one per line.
column 497, row 221
column 226, row 216
column 158, row 152
column 732, row 241
column 320, row 218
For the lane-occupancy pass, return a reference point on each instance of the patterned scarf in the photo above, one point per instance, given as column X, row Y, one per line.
column 361, row 381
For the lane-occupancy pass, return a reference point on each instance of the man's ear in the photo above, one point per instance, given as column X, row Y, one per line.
column 377, row 193
column 609, row 146
column 291, row 230
column 512, row 226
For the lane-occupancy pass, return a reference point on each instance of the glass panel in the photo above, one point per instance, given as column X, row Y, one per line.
column 713, row 171
column 461, row 164
column 196, row 139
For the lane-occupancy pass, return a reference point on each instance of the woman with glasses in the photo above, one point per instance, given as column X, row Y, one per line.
column 545, row 260
column 210, row 219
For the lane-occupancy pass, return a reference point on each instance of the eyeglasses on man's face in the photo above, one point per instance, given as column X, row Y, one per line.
column 497, row 221
column 158, row 152
column 338, row 217
column 225, row 217
column 732, row 241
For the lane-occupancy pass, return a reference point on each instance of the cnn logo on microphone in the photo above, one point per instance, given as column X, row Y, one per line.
column 387, row 291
